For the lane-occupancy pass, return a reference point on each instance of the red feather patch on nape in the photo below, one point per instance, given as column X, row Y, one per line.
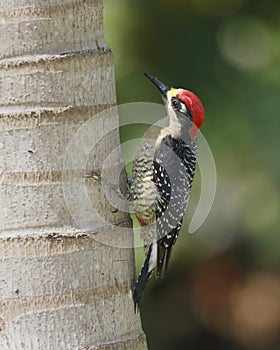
column 196, row 108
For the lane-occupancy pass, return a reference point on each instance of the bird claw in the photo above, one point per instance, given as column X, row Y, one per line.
column 94, row 175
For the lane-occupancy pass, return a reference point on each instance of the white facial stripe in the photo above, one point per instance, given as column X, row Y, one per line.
column 183, row 108
column 175, row 125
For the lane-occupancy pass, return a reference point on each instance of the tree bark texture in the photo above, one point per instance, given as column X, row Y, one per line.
column 61, row 285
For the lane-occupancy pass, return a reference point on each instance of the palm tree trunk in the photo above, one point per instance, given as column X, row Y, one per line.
column 62, row 286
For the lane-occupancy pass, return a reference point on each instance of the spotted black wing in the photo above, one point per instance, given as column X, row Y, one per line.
column 173, row 175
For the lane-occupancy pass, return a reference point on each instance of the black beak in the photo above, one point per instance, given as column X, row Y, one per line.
column 161, row 87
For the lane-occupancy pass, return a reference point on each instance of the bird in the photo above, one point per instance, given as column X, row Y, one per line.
column 162, row 176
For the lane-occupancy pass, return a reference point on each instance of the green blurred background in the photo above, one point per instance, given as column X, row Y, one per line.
column 222, row 290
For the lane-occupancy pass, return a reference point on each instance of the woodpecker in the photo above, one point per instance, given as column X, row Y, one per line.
column 162, row 177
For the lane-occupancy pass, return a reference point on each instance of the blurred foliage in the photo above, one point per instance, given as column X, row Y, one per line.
column 223, row 286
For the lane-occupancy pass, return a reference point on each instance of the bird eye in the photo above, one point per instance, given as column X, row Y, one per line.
column 176, row 104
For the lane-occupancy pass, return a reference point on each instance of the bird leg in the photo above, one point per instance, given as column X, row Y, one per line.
column 121, row 190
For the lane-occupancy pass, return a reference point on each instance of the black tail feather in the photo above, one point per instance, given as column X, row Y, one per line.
column 160, row 260
column 141, row 283
column 164, row 250
column 164, row 255
column 167, row 259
